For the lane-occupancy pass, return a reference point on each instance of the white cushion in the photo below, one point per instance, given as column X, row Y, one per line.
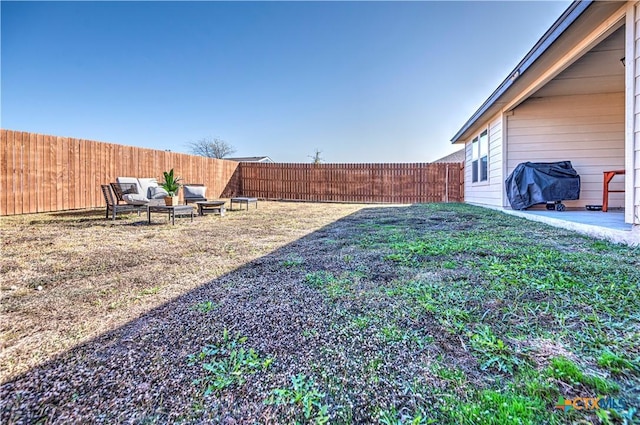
column 146, row 184
column 195, row 191
column 135, row 199
column 157, row 193
column 130, row 180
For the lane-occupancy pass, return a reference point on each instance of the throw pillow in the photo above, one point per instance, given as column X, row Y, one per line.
column 157, row 192
column 195, row 191
column 135, row 199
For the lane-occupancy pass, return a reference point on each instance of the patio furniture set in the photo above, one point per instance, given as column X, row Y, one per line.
column 130, row 194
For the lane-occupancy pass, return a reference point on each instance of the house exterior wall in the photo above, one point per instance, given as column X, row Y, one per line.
column 588, row 130
column 632, row 206
column 491, row 191
column 578, row 109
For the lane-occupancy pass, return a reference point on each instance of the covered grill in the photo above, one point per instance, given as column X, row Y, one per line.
column 534, row 183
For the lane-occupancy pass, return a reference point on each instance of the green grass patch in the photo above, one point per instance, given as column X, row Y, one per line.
column 447, row 301
column 616, row 364
column 292, row 261
column 452, row 376
column 227, row 364
column 361, row 322
column 413, row 252
column 567, row 371
column 205, row 306
column 492, row 351
column 506, row 283
column 334, row 286
column 393, row 417
column 305, row 396
column 391, row 333
column 491, row 407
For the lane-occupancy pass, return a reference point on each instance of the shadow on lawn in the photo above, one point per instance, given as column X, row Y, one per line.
column 139, row 372
column 83, row 217
column 94, row 216
column 79, row 214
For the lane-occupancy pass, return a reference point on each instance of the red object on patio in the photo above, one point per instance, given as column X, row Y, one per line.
column 608, row 175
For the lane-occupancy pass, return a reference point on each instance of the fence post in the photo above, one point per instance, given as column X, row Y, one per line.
column 87, row 164
column 446, row 184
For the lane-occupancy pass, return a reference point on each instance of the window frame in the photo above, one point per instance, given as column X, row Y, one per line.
column 480, row 158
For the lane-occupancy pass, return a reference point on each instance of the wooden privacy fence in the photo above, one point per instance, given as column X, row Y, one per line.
column 392, row 183
column 41, row 173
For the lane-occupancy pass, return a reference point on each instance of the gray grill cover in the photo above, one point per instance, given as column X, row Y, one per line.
column 539, row 182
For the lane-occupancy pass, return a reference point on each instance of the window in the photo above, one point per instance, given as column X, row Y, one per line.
column 480, row 158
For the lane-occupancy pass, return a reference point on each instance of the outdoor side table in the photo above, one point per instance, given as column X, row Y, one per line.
column 244, row 200
column 608, row 176
column 172, row 210
column 213, row 206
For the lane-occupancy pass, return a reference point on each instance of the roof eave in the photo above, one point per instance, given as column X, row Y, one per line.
column 565, row 20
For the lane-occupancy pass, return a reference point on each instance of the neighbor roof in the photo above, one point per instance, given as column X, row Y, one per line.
column 454, row 157
column 565, row 20
column 251, row 159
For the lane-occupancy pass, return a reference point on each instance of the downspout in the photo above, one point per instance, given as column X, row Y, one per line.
column 631, row 207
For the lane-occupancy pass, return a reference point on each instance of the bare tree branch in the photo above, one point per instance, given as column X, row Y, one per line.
column 211, row 148
column 316, row 158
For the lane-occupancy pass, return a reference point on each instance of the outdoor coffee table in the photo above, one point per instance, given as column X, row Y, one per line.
column 213, row 206
column 244, row 200
column 172, row 210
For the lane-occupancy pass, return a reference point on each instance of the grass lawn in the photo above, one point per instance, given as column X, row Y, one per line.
column 316, row 313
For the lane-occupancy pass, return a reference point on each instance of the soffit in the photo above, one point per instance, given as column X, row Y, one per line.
column 590, row 19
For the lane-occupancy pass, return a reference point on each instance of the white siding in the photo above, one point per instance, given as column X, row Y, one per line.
column 587, row 130
column 489, row 192
column 598, row 71
column 633, row 160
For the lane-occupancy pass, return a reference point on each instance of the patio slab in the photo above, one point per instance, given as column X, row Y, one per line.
column 598, row 224
column 613, row 219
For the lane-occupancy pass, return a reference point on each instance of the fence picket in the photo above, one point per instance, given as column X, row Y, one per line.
column 368, row 183
column 7, row 167
column 41, row 173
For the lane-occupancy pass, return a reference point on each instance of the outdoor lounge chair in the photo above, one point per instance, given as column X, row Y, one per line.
column 113, row 203
column 138, row 191
column 128, row 193
column 194, row 193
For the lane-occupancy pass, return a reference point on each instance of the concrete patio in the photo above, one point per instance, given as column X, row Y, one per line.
column 609, row 225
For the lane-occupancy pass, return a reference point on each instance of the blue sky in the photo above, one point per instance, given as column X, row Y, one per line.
column 360, row 81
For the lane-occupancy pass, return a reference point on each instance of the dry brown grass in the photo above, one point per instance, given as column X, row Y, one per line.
column 429, row 313
column 96, row 275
